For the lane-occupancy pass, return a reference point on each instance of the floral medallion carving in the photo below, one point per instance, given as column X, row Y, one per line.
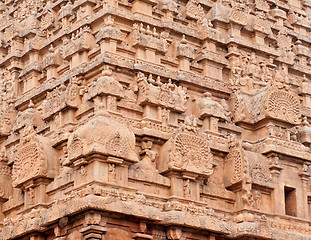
column 34, row 158
column 283, row 105
column 187, row 151
column 235, row 163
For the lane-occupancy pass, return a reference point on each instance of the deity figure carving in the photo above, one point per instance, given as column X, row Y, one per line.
column 166, row 95
column 150, row 38
column 248, row 73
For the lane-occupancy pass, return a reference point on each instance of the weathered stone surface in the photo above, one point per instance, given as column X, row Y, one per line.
column 155, row 119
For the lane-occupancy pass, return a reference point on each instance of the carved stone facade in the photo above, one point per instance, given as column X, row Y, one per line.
column 155, row 119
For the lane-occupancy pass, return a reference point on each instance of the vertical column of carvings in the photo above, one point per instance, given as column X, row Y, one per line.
column 305, row 175
column 101, row 150
column 5, row 179
column 276, row 169
column 184, row 158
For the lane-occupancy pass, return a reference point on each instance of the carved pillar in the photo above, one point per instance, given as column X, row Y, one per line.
column 260, row 37
column 143, row 6
column 278, row 192
column 184, row 166
column 150, row 54
column 177, row 185
column 37, row 236
column 85, row 10
column 305, row 176
column 5, row 179
column 109, row 36
column 174, row 233
column 305, row 91
column 111, row 103
column 142, row 235
column 94, row 226
column 147, row 112
column 235, row 29
column 211, row 68
column 50, row 63
column 185, row 53
column 279, row 15
column 211, row 237
column 210, row 123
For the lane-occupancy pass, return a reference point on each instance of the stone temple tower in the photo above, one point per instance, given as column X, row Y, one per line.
column 155, row 119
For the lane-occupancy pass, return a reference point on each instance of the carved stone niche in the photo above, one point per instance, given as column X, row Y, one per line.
column 84, row 10
column 185, row 53
column 148, row 42
column 273, row 102
column 156, row 97
column 169, row 8
column 235, row 164
column 76, row 48
column 261, row 27
column 106, row 90
column 65, row 14
column 186, row 152
column 60, row 98
column 5, row 178
column 35, row 158
column 102, row 135
column 109, row 36
column 185, row 157
column 211, row 112
column 7, row 116
column 237, row 19
column 102, row 149
column 304, row 133
column 30, row 116
column 50, row 63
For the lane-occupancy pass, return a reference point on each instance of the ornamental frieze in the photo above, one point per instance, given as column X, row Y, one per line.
column 81, row 40
column 151, row 91
column 272, row 102
column 60, row 98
